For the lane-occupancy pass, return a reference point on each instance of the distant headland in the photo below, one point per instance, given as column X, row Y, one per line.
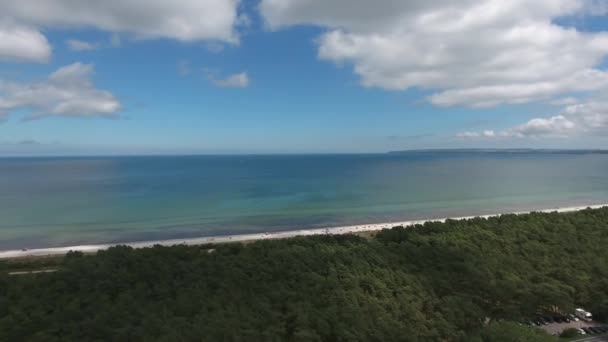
column 503, row 150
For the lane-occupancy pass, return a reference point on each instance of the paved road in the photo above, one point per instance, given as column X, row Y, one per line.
column 601, row 338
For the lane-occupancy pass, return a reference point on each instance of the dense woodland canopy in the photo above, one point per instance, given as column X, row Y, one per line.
column 439, row 281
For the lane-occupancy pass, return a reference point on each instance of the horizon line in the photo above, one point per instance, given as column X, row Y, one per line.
column 472, row 149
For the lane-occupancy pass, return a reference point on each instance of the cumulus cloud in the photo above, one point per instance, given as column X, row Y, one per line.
column 485, row 134
column 23, row 43
column 557, row 125
column 68, row 91
column 81, row 45
column 491, row 95
column 184, row 20
column 240, row 80
column 488, row 133
column 590, row 118
column 476, row 53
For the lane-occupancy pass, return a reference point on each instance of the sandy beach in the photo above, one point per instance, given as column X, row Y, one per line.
column 263, row 236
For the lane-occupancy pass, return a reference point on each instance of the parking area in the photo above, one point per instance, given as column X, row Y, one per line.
column 557, row 328
column 581, row 320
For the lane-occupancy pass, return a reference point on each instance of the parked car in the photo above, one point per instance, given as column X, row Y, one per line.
column 581, row 331
column 587, row 331
column 595, row 330
column 572, row 317
column 583, row 314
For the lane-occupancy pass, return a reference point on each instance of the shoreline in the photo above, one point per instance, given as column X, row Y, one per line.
column 266, row 236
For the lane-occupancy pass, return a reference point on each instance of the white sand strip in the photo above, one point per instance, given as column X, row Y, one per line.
column 263, row 236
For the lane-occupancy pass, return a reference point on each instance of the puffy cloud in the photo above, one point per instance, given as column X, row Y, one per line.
column 585, row 118
column 186, row 20
column 488, row 133
column 66, row 92
column 591, row 116
column 80, row 45
column 485, row 134
column 240, row 80
column 22, row 43
column 472, row 52
column 557, row 125
column 491, row 95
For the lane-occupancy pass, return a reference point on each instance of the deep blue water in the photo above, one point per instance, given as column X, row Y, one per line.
column 66, row 201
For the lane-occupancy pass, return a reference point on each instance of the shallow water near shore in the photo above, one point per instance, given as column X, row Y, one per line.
column 51, row 202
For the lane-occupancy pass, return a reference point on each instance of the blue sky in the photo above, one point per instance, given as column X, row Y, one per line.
column 294, row 77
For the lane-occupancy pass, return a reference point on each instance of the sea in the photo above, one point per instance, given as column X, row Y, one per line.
column 67, row 201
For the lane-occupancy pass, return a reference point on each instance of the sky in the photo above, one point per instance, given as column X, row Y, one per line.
column 80, row 77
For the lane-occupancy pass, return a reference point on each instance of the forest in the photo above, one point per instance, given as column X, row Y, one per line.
column 469, row 280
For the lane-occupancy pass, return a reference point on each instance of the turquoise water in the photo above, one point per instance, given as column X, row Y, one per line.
column 48, row 202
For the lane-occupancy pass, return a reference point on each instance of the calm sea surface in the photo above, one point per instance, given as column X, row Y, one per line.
column 66, row 201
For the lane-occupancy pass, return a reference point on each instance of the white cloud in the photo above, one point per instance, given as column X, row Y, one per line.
column 468, row 135
column 185, row 20
column 564, row 101
column 557, row 125
column 81, row 45
column 484, row 134
column 589, row 118
column 488, row 133
column 66, row 92
column 473, row 52
column 240, row 80
column 22, row 43
column 491, row 95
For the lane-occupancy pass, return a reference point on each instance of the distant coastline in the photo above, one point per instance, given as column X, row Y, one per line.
column 332, row 153
column 503, row 150
column 266, row 236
